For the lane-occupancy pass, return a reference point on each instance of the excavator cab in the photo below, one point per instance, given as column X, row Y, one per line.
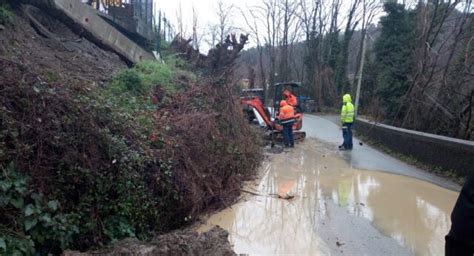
column 280, row 88
column 293, row 88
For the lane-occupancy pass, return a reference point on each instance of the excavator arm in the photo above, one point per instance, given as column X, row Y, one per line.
column 257, row 104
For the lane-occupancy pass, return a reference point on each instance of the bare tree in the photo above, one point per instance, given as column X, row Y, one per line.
column 334, row 15
column 440, row 94
column 224, row 12
column 196, row 38
column 309, row 22
column 269, row 13
column 251, row 77
column 289, row 34
column 253, row 26
column 352, row 21
column 180, row 21
column 321, row 17
column 212, row 35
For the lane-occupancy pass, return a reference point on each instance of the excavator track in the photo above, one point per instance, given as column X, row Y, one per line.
column 277, row 136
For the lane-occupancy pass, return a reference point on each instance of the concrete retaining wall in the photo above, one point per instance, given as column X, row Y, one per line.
column 97, row 29
column 448, row 153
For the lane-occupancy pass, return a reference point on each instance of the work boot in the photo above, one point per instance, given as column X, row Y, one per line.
column 344, row 148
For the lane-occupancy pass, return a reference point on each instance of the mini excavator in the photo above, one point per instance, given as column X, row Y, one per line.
column 254, row 101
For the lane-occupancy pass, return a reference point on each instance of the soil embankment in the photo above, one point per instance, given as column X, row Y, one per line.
column 93, row 152
column 68, row 57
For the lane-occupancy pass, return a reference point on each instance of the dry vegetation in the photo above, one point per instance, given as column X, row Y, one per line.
column 88, row 158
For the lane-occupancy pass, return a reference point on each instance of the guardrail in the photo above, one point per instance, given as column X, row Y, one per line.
column 448, row 153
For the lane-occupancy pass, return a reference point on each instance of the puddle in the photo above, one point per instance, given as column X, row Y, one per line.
column 336, row 209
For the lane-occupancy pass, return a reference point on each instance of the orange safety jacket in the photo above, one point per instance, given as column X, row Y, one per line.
column 287, row 113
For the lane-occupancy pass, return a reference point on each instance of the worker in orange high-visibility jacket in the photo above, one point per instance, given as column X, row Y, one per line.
column 290, row 98
column 287, row 119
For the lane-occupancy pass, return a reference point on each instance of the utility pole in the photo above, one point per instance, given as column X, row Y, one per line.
column 361, row 70
column 362, row 61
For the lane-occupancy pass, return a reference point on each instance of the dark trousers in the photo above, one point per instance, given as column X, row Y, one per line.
column 460, row 239
column 454, row 247
column 347, row 135
column 288, row 133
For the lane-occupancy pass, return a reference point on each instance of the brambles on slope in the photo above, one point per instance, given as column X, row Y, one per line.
column 77, row 150
column 144, row 154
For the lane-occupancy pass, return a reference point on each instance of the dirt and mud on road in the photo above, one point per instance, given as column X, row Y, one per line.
column 337, row 209
column 180, row 242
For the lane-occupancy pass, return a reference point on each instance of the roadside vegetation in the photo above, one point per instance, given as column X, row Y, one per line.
column 413, row 61
column 83, row 166
column 5, row 14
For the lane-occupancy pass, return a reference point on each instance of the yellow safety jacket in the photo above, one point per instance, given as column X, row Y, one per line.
column 347, row 111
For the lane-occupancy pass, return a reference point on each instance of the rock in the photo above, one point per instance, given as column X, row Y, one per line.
column 2, row 27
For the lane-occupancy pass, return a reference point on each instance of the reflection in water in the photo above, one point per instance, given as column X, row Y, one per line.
column 413, row 212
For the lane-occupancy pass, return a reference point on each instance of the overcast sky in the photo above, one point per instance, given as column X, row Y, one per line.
column 206, row 9
column 207, row 13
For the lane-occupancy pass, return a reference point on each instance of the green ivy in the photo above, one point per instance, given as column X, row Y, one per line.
column 6, row 15
column 31, row 220
column 117, row 227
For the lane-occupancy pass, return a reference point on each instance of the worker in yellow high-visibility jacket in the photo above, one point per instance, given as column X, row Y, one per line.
column 347, row 120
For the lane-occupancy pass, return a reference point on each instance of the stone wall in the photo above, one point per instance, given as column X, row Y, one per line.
column 448, row 153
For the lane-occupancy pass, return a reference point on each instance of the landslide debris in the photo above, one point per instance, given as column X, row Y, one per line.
column 73, row 59
column 92, row 152
column 212, row 242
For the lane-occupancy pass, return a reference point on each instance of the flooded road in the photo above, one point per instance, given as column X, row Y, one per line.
column 365, row 157
column 337, row 209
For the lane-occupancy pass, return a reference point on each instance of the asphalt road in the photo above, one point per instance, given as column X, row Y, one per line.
column 316, row 200
column 326, row 128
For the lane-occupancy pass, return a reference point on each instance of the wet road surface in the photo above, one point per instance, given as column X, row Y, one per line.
column 366, row 157
column 341, row 205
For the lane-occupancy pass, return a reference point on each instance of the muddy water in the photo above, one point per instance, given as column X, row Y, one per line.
column 336, row 210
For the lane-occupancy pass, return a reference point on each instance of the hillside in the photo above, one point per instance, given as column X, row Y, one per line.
column 93, row 151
